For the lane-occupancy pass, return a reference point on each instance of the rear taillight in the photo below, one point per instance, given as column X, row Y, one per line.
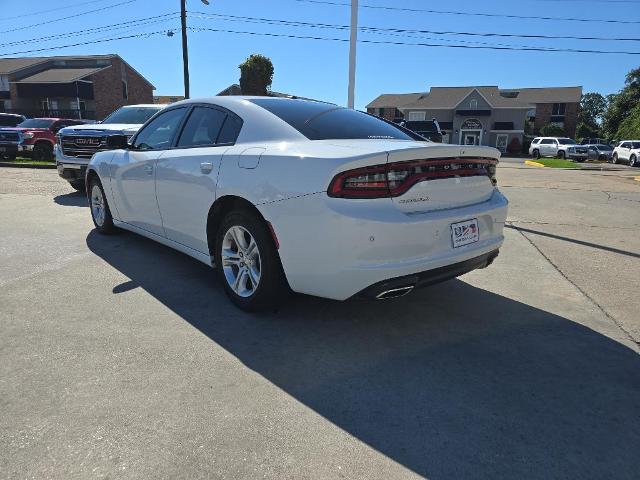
column 394, row 179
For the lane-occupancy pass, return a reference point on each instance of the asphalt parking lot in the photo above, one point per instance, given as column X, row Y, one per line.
column 120, row 358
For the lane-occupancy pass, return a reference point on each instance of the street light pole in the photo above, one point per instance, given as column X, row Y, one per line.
column 352, row 53
column 185, row 47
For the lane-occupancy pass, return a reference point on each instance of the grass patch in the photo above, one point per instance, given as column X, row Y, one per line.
column 29, row 161
column 557, row 163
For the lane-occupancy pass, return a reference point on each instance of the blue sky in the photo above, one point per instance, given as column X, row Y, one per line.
column 319, row 69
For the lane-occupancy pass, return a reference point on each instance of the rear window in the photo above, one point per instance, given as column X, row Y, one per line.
column 635, row 145
column 323, row 121
column 36, row 123
column 566, row 141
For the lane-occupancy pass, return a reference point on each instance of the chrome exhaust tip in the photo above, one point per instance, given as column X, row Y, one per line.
column 395, row 293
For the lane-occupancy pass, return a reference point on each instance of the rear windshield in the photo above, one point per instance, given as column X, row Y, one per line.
column 36, row 123
column 323, row 121
column 604, row 147
column 132, row 115
column 566, row 141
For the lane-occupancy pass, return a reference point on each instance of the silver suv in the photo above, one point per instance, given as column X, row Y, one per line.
column 560, row 147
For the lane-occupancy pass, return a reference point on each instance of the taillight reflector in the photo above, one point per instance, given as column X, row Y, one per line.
column 394, row 179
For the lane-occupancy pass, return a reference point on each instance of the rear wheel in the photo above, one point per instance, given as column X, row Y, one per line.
column 536, row 154
column 100, row 212
column 248, row 264
column 633, row 161
column 78, row 185
column 42, row 152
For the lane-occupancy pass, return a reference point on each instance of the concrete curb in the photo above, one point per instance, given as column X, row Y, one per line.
column 26, row 165
column 531, row 163
column 637, row 179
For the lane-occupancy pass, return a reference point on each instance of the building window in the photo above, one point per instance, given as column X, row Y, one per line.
column 558, row 109
column 417, row 116
column 125, row 90
column 473, row 104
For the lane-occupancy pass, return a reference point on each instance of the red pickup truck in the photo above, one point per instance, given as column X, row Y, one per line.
column 35, row 137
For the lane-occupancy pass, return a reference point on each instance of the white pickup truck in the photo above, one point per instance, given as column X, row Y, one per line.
column 76, row 145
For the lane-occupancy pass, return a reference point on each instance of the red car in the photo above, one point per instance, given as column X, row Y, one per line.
column 36, row 137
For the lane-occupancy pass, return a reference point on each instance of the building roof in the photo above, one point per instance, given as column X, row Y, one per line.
column 395, row 99
column 60, row 75
column 235, row 90
column 451, row 97
column 547, row 94
column 10, row 65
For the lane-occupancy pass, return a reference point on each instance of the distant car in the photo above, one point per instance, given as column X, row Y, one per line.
column 627, row 151
column 429, row 129
column 11, row 119
column 560, row 147
column 599, row 151
column 76, row 145
column 284, row 194
column 34, row 137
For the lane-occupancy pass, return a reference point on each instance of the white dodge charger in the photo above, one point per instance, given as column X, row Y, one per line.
column 285, row 194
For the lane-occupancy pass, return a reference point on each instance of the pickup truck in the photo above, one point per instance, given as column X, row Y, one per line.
column 76, row 145
column 33, row 138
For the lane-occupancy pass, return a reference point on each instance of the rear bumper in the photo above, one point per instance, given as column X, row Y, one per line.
column 335, row 248
column 402, row 285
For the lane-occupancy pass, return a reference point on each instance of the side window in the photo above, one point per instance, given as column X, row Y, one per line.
column 546, row 141
column 202, row 128
column 625, row 145
column 230, row 130
column 159, row 134
column 536, row 140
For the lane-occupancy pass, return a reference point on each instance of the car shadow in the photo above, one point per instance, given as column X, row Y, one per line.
column 452, row 381
column 73, row 199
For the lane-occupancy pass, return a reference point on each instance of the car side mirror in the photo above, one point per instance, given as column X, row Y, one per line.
column 116, row 142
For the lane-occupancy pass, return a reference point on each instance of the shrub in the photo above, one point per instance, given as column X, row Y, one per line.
column 551, row 130
column 514, row 146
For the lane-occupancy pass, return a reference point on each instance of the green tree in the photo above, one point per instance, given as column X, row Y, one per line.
column 551, row 130
column 592, row 107
column 622, row 103
column 630, row 127
column 256, row 75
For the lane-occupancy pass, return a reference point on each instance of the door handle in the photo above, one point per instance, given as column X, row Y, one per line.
column 148, row 169
column 206, row 167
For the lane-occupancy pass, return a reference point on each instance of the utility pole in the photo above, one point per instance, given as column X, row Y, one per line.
column 352, row 53
column 185, row 47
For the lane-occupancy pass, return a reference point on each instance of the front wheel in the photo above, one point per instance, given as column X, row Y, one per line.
column 562, row 155
column 248, row 264
column 42, row 152
column 633, row 161
column 614, row 159
column 78, row 185
column 100, row 212
column 536, row 154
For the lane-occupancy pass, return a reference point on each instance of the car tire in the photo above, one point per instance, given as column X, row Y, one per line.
column 562, row 155
column 633, row 161
column 536, row 154
column 248, row 264
column 42, row 152
column 614, row 159
column 78, row 185
column 100, row 212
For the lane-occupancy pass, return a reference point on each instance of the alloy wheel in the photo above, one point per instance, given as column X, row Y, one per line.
column 241, row 261
column 97, row 205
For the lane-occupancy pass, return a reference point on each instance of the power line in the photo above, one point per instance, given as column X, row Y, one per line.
column 403, row 30
column 31, row 14
column 100, row 29
column 68, row 17
column 381, row 42
column 138, row 35
column 473, row 14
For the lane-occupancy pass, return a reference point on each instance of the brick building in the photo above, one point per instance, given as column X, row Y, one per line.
column 485, row 115
column 87, row 86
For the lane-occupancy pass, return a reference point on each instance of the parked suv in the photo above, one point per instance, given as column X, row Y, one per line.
column 34, row 137
column 561, row 147
column 627, row 151
column 76, row 145
column 11, row 119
